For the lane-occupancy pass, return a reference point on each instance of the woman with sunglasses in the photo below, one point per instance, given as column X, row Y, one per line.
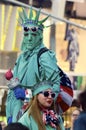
column 42, row 112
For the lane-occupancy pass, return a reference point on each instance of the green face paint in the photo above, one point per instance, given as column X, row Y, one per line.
column 32, row 37
column 33, row 30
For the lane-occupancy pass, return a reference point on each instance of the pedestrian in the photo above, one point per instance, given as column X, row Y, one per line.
column 74, row 115
column 2, row 125
column 80, row 122
column 42, row 113
column 73, row 48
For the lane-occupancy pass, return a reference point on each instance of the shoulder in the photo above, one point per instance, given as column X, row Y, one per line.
column 19, row 57
column 82, row 117
column 46, row 54
column 28, row 121
column 25, row 119
column 49, row 52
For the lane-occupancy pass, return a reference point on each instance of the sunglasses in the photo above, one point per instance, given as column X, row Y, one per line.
column 47, row 93
column 33, row 29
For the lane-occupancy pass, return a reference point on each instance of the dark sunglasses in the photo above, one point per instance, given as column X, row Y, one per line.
column 33, row 29
column 47, row 93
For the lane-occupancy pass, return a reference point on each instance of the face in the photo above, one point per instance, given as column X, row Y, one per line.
column 32, row 37
column 75, row 115
column 46, row 98
column 3, row 124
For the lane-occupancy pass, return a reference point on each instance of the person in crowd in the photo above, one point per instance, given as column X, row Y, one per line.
column 80, row 122
column 74, row 116
column 27, row 65
column 16, row 126
column 2, row 125
column 31, row 63
column 73, row 48
column 42, row 112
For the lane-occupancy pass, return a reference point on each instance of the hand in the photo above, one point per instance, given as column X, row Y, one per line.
column 9, row 120
column 19, row 93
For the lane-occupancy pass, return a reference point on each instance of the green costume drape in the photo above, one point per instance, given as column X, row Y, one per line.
column 32, row 125
column 25, row 69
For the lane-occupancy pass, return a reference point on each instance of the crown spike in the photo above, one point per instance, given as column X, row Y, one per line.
column 51, row 75
column 56, row 77
column 31, row 13
column 29, row 20
column 19, row 22
column 37, row 15
column 42, row 21
column 24, row 14
column 21, row 18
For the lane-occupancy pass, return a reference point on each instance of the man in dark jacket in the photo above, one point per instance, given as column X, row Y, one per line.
column 80, row 123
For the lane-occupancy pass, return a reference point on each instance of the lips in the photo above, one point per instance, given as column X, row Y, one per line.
column 49, row 102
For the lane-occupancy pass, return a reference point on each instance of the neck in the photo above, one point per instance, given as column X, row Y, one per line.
column 42, row 108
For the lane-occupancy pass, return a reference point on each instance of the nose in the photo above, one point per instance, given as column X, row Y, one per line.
column 29, row 37
column 50, row 95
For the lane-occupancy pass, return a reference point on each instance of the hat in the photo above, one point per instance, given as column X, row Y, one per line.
column 31, row 20
column 41, row 87
column 53, row 83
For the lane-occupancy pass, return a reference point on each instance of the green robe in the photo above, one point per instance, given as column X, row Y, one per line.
column 26, row 69
column 31, row 124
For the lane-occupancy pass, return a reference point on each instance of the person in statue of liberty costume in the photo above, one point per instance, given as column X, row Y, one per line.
column 42, row 113
column 27, row 67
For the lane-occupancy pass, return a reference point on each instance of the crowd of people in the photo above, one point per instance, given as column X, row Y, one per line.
column 78, row 115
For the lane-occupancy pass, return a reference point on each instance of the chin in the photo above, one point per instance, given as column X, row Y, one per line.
column 29, row 48
column 47, row 106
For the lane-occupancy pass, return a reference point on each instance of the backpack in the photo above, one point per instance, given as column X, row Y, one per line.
column 65, row 96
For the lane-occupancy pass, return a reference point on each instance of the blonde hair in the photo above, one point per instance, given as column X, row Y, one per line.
column 36, row 113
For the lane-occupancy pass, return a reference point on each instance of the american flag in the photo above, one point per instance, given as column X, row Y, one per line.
column 65, row 97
